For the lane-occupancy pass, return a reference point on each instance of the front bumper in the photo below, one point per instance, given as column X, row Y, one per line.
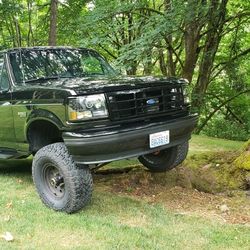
column 116, row 144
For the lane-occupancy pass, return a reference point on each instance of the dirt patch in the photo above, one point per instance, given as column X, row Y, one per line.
column 193, row 202
column 207, row 185
column 181, row 200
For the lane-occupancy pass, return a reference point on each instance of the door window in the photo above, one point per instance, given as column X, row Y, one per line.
column 4, row 80
column 1, row 62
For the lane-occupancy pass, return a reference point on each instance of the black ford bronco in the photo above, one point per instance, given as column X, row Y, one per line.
column 73, row 112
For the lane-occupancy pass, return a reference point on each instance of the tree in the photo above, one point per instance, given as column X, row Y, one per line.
column 53, row 23
column 205, row 41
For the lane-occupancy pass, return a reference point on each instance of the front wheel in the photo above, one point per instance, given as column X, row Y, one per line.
column 164, row 160
column 60, row 183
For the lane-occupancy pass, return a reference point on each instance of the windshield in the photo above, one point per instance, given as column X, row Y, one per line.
column 31, row 65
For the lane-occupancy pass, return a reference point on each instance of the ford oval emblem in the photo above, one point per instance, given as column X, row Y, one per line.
column 151, row 101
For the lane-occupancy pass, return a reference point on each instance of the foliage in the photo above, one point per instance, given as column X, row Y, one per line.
column 206, row 42
column 221, row 128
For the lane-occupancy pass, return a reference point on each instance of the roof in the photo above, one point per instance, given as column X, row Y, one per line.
column 42, row 48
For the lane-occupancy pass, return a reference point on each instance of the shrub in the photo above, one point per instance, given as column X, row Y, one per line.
column 226, row 129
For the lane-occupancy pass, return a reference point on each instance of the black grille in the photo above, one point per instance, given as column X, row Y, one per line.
column 166, row 100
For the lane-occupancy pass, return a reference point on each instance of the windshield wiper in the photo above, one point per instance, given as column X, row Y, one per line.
column 42, row 78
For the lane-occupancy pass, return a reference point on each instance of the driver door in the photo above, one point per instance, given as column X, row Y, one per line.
column 7, row 134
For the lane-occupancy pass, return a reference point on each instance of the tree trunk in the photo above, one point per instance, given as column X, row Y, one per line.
column 194, row 21
column 148, row 65
column 11, row 31
column 18, row 32
column 132, row 69
column 169, row 41
column 53, row 23
column 192, row 38
column 214, row 33
column 162, row 62
column 30, row 37
column 170, row 61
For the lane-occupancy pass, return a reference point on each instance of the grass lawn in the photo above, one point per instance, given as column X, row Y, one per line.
column 111, row 221
column 201, row 143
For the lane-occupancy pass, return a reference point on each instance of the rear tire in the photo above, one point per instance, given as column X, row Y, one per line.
column 166, row 159
column 60, row 183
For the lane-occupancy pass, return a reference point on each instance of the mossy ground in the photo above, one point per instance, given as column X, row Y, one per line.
column 243, row 160
column 211, row 172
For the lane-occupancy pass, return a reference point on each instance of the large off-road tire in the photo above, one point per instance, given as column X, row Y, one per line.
column 60, row 183
column 166, row 159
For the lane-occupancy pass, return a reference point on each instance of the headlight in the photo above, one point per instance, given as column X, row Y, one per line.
column 87, row 107
column 186, row 94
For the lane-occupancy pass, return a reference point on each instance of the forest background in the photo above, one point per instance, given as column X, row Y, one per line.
column 205, row 41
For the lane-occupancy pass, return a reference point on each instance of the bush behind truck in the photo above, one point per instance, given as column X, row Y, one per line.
column 73, row 112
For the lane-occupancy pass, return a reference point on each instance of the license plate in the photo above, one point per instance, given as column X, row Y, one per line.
column 159, row 139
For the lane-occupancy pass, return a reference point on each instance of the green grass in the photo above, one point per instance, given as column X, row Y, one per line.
column 201, row 143
column 111, row 221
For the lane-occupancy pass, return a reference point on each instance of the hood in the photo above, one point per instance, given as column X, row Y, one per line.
column 89, row 85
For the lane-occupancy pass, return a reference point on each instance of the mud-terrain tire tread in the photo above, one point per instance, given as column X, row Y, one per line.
column 78, row 179
column 182, row 151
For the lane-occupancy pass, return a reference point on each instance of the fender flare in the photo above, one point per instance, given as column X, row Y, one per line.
column 42, row 115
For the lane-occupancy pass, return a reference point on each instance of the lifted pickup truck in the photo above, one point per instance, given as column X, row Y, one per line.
column 69, row 108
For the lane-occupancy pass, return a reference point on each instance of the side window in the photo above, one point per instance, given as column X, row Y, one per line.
column 1, row 63
column 4, row 80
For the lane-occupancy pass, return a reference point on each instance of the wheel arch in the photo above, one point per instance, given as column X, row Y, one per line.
column 44, row 115
column 41, row 131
